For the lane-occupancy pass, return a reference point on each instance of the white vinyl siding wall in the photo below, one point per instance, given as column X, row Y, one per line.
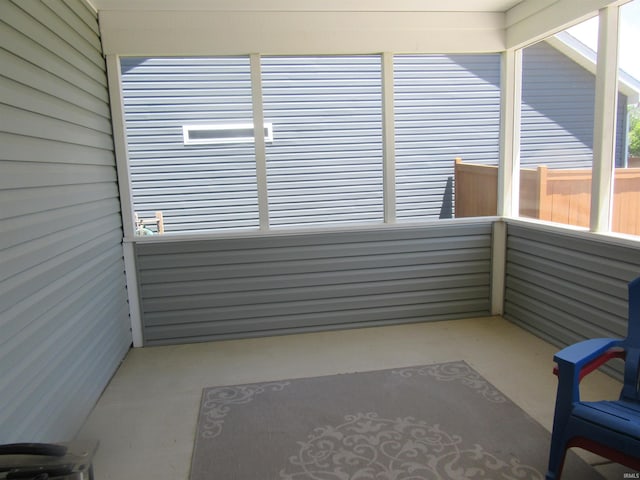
column 63, row 306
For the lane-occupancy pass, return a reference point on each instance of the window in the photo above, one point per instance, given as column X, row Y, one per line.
column 557, row 124
column 205, row 183
column 446, row 107
column 557, row 140
column 191, row 141
column 326, row 166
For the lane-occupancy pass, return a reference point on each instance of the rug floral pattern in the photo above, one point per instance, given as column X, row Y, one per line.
column 368, row 447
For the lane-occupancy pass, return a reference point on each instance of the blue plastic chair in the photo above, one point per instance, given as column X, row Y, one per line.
column 609, row 428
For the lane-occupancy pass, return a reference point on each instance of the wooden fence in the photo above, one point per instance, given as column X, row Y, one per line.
column 556, row 195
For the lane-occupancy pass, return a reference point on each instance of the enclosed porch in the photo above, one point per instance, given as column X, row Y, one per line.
column 109, row 334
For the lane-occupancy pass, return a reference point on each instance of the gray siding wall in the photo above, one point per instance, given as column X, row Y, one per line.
column 229, row 288
column 558, row 98
column 565, row 287
column 63, row 306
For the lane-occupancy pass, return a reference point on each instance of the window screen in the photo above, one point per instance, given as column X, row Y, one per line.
column 446, row 106
column 325, row 165
column 201, row 186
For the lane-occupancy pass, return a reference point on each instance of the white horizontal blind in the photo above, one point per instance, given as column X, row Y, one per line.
column 446, row 106
column 324, row 166
column 201, row 187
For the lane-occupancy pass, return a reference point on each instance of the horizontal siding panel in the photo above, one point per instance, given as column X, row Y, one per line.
column 577, row 302
column 29, row 201
column 262, row 298
column 23, row 20
column 58, row 18
column 31, row 75
column 587, row 257
column 78, row 336
column 566, row 287
column 32, row 51
column 18, row 121
column 242, row 287
column 39, row 150
column 290, row 307
column 24, row 228
column 228, row 283
column 302, row 269
column 87, row 14
column 39, row 282
column 63, row 300
column 82, row 27
column 51, row 325
column 36, row 251
column 35, row 174
column 318, row 322
column 24, row 97
column 315, row 250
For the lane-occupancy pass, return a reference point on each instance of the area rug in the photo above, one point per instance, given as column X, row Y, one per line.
column 441, row 421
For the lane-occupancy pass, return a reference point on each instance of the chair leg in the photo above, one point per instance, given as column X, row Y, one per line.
column 557, row 454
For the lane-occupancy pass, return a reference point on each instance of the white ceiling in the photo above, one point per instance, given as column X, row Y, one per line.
column 310, row 5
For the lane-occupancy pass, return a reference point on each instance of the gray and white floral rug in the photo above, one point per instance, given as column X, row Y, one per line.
column 430, row 422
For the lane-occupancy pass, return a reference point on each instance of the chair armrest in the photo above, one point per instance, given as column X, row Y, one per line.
column 580, row 359
column 583, row 353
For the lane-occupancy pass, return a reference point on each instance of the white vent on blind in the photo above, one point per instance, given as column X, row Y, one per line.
column 225, row 133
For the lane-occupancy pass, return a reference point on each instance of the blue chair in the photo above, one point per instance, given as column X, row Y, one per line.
column 609, row 428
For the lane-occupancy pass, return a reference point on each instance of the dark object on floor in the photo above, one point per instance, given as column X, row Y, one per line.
column 47, row 461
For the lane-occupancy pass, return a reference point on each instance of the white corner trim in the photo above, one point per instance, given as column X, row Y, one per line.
column 388, row 134
column 510, row 120
column 133, row 294
column 260, row 146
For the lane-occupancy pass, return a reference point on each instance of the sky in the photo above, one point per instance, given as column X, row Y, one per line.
column 629, row 58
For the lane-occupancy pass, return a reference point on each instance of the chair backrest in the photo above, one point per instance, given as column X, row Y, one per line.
column 631, row 388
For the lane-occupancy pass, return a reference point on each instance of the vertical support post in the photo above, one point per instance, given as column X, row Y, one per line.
column 509, row 167
column 498, row 266
column 126, row 200
column 120, row 144
column 131, row 274
column 388, row 140
column 604, row 129
column 260, row 149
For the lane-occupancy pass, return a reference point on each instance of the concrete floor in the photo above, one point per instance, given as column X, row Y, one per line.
column 145, row 420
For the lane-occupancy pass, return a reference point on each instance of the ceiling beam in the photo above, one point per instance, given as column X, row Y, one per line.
column 158, row 33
